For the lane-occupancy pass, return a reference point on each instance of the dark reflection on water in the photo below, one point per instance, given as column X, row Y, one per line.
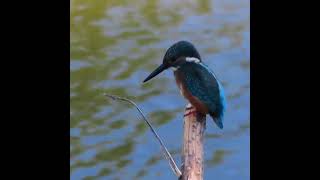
column 114, row 45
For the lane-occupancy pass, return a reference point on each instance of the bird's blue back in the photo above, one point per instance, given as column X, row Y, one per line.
column 202, row 83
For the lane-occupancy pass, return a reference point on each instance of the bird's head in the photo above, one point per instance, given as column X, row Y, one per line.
column 176, row 55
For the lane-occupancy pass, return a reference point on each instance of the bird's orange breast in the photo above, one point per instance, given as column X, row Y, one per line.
column 200, row 107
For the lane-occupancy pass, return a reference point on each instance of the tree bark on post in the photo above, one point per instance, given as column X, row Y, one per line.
column 192, row 151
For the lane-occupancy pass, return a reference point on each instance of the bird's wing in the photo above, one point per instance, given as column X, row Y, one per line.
column 201, row 82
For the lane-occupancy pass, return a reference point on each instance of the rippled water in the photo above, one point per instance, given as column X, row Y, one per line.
column 115, row 44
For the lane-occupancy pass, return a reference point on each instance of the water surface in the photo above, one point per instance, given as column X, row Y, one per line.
column 115, row 44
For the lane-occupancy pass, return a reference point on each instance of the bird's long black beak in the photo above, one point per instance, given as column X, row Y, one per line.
column 161, row 68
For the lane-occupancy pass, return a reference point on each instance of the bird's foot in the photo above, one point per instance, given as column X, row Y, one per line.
column 189, row 106
column 190, row 110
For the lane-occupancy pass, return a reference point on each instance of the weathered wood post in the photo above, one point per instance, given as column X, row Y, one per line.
column 192, row 151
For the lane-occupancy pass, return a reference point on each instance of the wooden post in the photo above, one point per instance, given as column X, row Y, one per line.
column 192, row 151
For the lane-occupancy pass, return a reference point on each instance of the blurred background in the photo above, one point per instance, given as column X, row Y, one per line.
column 115, row 44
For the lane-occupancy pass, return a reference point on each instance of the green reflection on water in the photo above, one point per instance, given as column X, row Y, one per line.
column 218, row 157
column 113, row 45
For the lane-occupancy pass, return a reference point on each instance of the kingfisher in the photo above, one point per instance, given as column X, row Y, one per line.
column 197, row 83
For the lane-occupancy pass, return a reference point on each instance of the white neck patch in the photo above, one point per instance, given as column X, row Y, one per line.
column 193, row 59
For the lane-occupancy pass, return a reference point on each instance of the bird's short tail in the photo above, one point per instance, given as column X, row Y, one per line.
column 217, row 120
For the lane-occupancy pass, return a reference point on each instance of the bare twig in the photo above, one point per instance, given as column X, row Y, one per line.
column 166, row 153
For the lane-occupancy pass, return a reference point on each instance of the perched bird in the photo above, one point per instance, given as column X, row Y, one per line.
column 197, row 83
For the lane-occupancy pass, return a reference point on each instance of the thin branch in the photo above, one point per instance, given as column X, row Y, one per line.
column 166, row 153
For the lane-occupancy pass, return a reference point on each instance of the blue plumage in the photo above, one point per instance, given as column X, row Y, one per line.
column 201, row 83
column 196, row 81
